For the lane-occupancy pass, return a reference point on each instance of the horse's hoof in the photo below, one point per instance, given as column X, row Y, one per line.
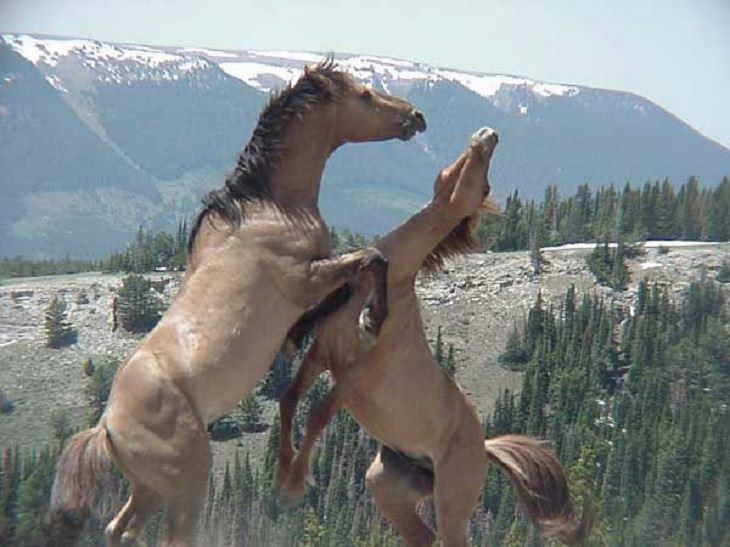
column 290, row 495
column 309, row 479
column 485, row 137
column 366, row 330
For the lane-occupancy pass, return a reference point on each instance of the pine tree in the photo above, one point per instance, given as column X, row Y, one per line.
column 31, row 499
column 58, row 332
column 438, row 347
column 515, row 356
column 251, row 411
column 138, row 309
column 98, row 389
column 450, row 364
column 277, row 379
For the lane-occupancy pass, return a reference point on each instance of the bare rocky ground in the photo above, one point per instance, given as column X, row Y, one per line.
column 476, row 301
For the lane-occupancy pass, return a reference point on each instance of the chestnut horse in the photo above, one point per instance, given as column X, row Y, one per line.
column 433, row 443
column 257, row 260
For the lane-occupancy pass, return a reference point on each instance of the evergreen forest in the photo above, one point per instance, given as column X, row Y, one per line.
column 655, row 211
column 634, row 404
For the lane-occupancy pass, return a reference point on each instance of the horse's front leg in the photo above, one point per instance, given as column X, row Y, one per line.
column 311, row 366
column 319, row 417
column 327, row 275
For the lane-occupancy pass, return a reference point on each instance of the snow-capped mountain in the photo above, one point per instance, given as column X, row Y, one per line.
column 98, row 138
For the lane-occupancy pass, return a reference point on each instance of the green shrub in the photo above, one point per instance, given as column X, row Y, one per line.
column 138, row 308
column 6, row 405
column 98, row 388
column 251, row 410
column 57, row 330
column 224, row 428
column 608, row 266
column 723, row 274
column 88, row 367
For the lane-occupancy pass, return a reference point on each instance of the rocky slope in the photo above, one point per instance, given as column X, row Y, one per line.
column 476, row 301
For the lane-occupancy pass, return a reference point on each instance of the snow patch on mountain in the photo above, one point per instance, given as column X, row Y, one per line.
column 50, row 50
column 259, row 75
column 56, row 82
column 110, row 62
column 264, row 70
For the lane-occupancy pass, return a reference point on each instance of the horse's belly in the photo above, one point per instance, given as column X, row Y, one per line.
column 403, row 406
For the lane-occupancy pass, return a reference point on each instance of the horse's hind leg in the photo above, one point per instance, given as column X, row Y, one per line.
column 397, row 487
column 311, row 366
column 123, row 529
column 186, row 486
column 181, row 522
column 159, row 441
column 457, row 486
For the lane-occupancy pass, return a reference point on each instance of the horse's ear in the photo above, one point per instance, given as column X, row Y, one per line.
column 318, row 78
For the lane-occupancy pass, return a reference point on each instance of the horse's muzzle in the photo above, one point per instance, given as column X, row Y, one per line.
column 414, row 123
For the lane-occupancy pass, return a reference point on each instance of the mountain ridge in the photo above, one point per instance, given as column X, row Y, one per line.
column 170, row 121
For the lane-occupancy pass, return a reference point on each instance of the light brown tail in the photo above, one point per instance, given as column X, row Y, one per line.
column 84, row 486
column 542, row 486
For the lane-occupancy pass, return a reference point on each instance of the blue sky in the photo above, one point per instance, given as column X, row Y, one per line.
column 674, row 52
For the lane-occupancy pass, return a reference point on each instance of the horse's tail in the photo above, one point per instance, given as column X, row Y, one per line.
column 84, row 486
column 542, row 486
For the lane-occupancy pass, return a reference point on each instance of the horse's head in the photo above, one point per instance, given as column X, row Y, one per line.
column 463, row 188
column 360, row 113
column 460, row 193
column 364, row 114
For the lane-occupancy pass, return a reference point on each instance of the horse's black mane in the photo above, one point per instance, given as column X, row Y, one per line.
column 249, row 180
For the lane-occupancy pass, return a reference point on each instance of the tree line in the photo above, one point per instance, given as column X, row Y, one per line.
column 148, row 251
column 656, row 211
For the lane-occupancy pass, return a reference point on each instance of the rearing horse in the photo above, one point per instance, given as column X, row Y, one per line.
column 257, row 260
column 433, row 445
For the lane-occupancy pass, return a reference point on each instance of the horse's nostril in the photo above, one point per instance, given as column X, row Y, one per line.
column 420, row 120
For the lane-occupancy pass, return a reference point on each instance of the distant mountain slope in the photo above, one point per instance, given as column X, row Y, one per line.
column 98, row 138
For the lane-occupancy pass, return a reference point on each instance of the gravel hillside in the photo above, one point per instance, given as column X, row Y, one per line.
column 476, row 301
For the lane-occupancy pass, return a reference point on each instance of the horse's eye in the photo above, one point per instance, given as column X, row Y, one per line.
column 366, row 94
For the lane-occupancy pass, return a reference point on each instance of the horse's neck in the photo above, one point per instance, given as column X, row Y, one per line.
column 409, row 244
column 297, row 175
